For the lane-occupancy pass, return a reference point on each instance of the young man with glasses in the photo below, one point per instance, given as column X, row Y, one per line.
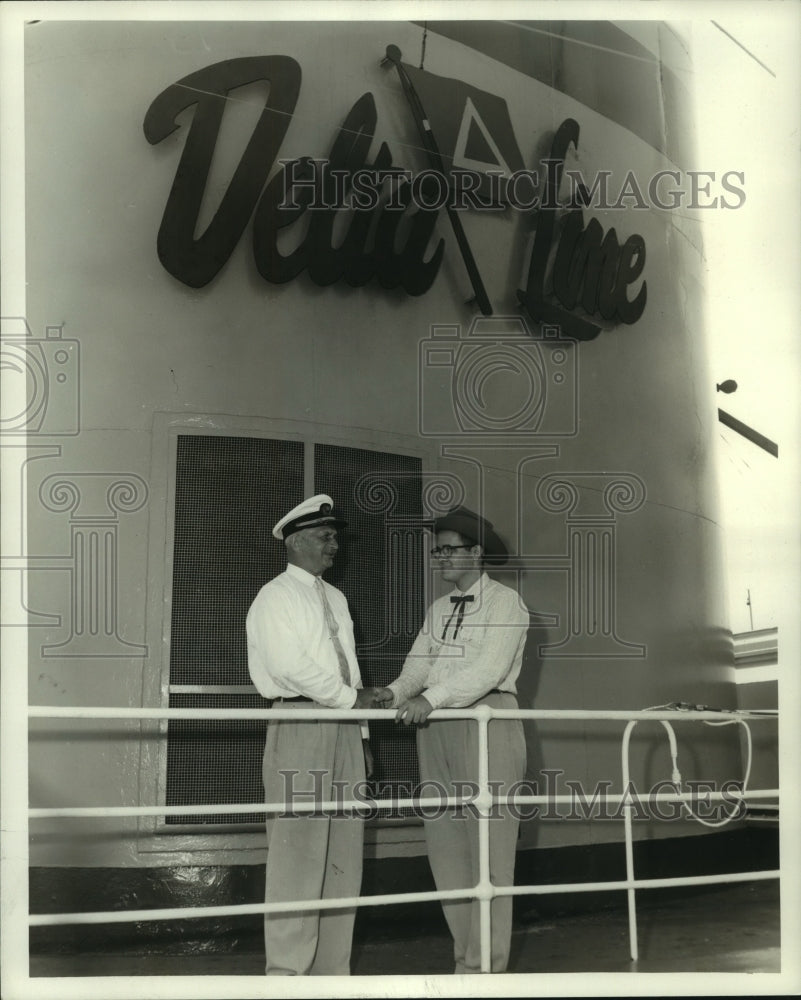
column 469, row 652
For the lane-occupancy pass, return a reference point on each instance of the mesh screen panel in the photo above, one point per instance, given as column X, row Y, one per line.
column 229, row 492
column 215, row 761
column 380, row 570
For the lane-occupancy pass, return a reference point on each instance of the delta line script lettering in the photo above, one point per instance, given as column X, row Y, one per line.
column 590, row 269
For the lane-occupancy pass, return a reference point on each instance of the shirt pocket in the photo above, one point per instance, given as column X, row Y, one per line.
column 471, row 639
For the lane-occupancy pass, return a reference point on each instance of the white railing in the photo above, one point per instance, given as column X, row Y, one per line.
column 484, row 891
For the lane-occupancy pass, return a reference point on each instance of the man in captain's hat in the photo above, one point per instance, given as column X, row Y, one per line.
column 301, row 654
column 469, row 652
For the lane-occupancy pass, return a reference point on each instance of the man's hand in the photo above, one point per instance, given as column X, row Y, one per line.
column 365, row 698
column 415, row 710
column 373, row 697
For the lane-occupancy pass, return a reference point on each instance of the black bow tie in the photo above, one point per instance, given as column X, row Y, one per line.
column 459, row 601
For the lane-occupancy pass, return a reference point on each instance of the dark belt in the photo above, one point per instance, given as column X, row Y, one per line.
column 300, row 698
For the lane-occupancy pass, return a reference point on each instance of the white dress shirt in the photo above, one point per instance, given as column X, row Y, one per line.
column 290, row 651
column 487, row 653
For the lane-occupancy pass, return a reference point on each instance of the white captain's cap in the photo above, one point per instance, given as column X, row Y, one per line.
column 312, row 513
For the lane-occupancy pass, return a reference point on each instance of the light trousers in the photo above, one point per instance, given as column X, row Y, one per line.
column 448, row 754
column 311, row 857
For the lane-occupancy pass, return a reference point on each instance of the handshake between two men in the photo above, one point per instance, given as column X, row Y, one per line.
column 412, row 710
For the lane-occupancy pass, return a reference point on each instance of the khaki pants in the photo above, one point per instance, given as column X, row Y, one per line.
column 311, row 857
column 448, row 752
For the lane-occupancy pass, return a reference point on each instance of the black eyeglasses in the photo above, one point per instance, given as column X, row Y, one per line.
column 446, row 550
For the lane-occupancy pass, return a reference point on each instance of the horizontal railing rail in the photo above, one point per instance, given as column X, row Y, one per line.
column 611, row 715
column 485, row 891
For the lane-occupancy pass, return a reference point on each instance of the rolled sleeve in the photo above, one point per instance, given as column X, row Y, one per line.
column 416, row 668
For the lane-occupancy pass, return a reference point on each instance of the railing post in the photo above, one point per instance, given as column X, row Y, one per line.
column 627, row 807
column 483, row 803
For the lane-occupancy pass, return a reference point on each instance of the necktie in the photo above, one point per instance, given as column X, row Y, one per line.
column 333, row 631
column 459, row 601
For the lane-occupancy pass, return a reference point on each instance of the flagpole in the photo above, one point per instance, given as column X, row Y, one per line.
column 430, row 144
